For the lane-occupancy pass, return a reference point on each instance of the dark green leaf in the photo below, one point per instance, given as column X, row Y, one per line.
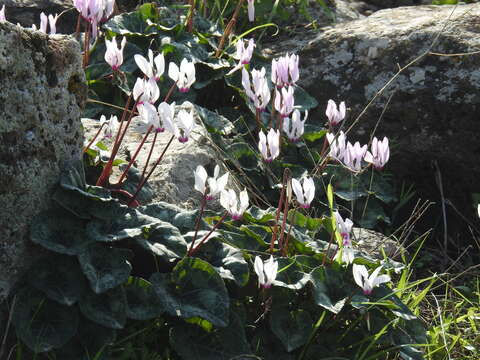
column 107, row 309
column 292, row 327
column 164, row 240
column 192, row 342
column 128, row 223
column 303, row 100
column 328, row 289
column 59, row 277
column 43, row 324
column 132, row 23
column 257, row 215
column 291, row 274
column 105, row 267
column 88, row 342
column 227, row 260
column 243, row 154
column 142, row 301
column 59, row 231
column 193, row 289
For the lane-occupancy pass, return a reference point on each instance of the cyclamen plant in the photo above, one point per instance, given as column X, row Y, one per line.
column 203, row 262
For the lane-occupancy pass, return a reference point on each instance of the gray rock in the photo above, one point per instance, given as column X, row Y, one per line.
column 433, row 113
column 43, row 91
column 27, row 12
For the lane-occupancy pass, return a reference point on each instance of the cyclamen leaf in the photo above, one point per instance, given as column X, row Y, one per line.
column 193, row 289
column 291, row 327
column 43, row 324
column 107, row 309
column 142, row 301
column 105, row 267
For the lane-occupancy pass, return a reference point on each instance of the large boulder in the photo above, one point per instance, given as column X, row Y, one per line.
column 43, row 92
column 432, row 116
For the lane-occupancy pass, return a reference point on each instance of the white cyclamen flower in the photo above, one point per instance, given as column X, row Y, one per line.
column 304, row 191
column 337, row 146
column 266, row 271
column 251, row 10
column 113, row 54
column 380, row 153
column 367, row 283
column 146, row 91
column 345, row 228
column 294, row 128
column 353, row 156
column 284, row 101
column 269, row 146
column 111, row 126
column 228, row 199
column 335, row 115
column 184, row 76
column 215, row 184
column 257, row 90
column 2, row 13
column 186, row 123
column 154, row 67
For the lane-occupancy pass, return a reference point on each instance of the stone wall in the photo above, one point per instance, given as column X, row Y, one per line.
column 43, row 92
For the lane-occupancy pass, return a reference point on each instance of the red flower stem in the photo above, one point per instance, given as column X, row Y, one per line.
column 77, row 28
column 275, row 228
column 149, row 155
column 132, row 160
column 289, row 231
column 140, row 185
column 229, row 28
column 170, row 92
column 199, row 218
column 192, row 252
column 286, row 180
column 257, row 118
column 108, row 168
column 86, row 45
column 93, row 140
column 328, row 248
column 126, row 194
column 190, row 15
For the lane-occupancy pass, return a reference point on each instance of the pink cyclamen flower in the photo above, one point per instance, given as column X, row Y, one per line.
column 113, row 54
column 269, row 146
column 344, row 227
column 294, row 128
column 284, row 101
column 184, row 76
column 353, row 156
column 215, row 184
column 182, row 126
column 337, row 146
column 244, row 54
column 235, row 207
column 251, row 10
column 285, row 70
column 335, row 115
column 257, row 90
column 153, row 67
column 304, row 192
column 380, row 153
column 367, row 283
column 2, row 14
column 266, row 271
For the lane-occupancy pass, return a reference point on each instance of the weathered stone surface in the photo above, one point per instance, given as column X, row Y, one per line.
column 433, row 112
column 43, row 91
column 27, row 12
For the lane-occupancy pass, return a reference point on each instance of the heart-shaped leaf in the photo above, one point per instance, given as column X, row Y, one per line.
column 105, row 267
column 107, row 309
column 142, row 301
column 194, row 289
column 292, row 327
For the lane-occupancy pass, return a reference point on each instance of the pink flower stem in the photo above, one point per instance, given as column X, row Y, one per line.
column 257, row 118
column 94, row 138
column 170, row 92
column 191, row 252
column 140, row 185
column 199, row 218
column 132, row 160
column 279, row 207
column 149, row 155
